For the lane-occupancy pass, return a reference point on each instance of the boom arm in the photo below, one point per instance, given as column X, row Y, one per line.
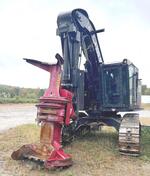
column 78, row 33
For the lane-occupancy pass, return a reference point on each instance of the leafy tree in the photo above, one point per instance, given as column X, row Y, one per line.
column 14, row 94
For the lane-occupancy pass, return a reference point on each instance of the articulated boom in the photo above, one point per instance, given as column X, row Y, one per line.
column 78, row 34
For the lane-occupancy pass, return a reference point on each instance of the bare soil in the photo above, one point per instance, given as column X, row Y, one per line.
column 93, row 155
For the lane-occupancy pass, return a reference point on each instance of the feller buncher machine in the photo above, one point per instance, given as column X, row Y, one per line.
column 78, row 98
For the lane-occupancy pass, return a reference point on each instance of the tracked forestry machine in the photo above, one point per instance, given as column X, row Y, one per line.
column 79, row 97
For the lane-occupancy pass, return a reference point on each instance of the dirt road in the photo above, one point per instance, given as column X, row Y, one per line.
column 12, row 115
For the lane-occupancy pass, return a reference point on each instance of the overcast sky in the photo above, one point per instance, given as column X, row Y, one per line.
column 28, row 29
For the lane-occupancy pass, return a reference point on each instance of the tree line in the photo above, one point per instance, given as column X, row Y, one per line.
column 145, row 90
column 12, row 94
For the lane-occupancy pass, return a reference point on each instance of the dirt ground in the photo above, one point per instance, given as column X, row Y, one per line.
column 145, row 121
column 93, row 155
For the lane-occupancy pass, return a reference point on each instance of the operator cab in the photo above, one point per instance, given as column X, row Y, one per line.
column 121, row 88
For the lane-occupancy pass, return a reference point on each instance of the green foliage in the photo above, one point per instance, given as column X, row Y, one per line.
column 11, row 94
column 145, row 90
column 145, row 143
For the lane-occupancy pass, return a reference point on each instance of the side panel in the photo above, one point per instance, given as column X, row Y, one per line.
column 139, row 92
column 134, row 87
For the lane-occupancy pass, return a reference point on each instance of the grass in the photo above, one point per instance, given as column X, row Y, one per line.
column 17, row 100
column 145, row 144
column 93, row 155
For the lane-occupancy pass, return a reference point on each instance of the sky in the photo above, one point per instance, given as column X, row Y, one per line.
column 28, row 30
